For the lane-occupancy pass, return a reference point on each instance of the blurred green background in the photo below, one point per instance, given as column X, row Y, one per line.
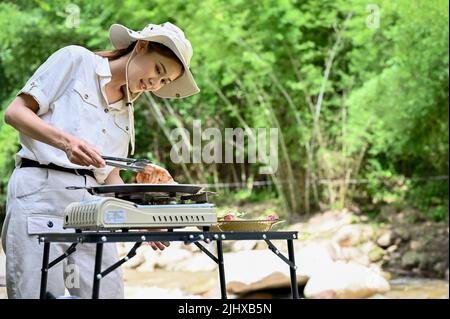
column 358, row 90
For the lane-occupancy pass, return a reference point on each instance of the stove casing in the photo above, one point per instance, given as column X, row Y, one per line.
column 109, row 213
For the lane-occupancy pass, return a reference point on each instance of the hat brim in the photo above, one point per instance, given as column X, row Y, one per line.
column 121, row 37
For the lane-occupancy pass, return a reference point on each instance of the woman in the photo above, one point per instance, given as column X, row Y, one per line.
column 76, row 107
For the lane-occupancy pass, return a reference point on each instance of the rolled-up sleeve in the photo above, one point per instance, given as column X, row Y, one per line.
column 51, row 79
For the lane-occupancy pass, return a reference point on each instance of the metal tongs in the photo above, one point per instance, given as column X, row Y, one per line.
column 133, row 164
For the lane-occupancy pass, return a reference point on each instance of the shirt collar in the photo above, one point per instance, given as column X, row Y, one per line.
column 104, row 77
column 102, row 67
column 104, row 74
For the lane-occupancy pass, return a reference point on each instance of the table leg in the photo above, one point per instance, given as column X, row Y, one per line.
column 97, row 270
column 294, row 285
column 44, row 271
column 223, row 285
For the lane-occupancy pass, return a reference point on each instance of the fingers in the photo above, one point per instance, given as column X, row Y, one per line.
column 76, row 160
column 94, row 155
column 159, row 245
column 81, row 153
column 79, row 157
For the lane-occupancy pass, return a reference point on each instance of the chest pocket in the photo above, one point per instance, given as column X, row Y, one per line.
column 88, row 95
column 89, row 108
column 121, row 121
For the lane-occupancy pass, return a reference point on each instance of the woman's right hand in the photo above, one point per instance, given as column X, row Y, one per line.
column 82, row 153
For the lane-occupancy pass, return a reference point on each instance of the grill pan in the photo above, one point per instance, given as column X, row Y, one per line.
column 176, row 189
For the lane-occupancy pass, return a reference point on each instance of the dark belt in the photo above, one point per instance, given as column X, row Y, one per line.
column 82, row 172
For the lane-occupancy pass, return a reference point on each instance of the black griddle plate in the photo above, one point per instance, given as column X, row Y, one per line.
column 178, row 189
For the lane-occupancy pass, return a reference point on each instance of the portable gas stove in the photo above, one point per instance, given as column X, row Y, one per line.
column 139, row 206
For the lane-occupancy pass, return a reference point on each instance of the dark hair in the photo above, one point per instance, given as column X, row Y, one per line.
column 158, row 47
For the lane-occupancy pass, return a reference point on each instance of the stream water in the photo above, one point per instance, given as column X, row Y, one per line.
column 418, row 288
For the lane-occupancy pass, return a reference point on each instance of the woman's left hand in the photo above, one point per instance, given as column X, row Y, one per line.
column 161, row 245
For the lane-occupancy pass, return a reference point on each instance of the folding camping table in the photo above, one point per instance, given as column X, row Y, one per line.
column 188, row 237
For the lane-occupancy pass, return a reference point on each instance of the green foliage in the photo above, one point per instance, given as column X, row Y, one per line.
column 252, row 195
column 383, row 118
column 428, row 197
column 401, row 112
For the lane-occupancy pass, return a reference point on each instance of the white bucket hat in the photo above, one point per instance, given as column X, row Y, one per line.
column 172, row 37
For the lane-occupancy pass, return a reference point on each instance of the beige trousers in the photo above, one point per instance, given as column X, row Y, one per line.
column 36, row 201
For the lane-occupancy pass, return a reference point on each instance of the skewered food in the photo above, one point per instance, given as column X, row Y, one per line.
column 154, row 174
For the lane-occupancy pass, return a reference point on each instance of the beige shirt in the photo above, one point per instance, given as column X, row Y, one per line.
column 70, row 90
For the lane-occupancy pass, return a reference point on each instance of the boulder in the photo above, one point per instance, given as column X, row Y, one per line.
column 348, row 254
column 387, row 213
column 345, row 281
column 254, row 270
column 197, row 262
column 149, row 256
column 122, row 249
column 147, row 259
column 385, row 239
column 411, row 259
column 415, row 245
column 136, row 261
column 324, row 224
column 352, row 235
column 312, row 258
column 171, row 255
column 240, row 245
column 402, row 233
column 440, row 268
column 273, row 281
column 376, row 254
column 391, row 249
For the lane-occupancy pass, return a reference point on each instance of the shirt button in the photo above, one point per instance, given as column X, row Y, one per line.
column 127, row 128
column 50, row 224
column 86, row 96
column 106, row 110
column 104, row 131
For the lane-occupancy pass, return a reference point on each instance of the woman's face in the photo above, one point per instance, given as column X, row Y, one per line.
column 149, row 70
